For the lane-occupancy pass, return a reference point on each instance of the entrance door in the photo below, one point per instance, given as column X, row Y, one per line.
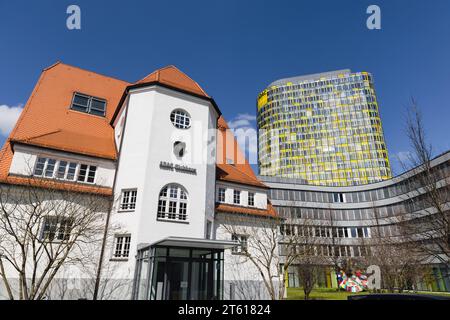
column 180, row 274
column 178, row 280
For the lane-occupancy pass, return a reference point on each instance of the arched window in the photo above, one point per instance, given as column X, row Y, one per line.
column 172, row 204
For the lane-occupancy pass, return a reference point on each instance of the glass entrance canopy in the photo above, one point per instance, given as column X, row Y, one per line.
column 180, row 269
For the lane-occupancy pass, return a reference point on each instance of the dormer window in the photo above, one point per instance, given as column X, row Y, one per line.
column 88, row 104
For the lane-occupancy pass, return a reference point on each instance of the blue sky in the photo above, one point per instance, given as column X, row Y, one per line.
column 235, row 48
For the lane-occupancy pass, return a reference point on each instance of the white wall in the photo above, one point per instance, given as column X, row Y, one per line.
column 260, row 194
column 25, row 157
column 239, row 271
column 148, row 139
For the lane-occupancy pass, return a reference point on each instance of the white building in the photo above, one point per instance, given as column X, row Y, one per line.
column 171, row 176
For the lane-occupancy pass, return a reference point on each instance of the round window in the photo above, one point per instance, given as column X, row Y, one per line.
column 180, row 119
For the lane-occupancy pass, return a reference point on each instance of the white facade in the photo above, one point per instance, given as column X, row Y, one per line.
column 25, row 157
column 260, row 196
column 148, row 160
column 147, row 140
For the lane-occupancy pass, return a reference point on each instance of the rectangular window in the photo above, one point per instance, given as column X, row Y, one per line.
column 61, row 173
column 88, row 104
column 172, row 209
column 86, row 173
column 40, row 165
column 50, row 168
column 221, row 195
column 339, row 197
column 91, row 174
column 182, row 212
column 56, row 228
column 162, row 209
column 121, row 246
column 237, row 197
column 128, row 200
column 251, row 199
column 64, row 170
column 71, row 171
column 82, row 173
column 243, row 243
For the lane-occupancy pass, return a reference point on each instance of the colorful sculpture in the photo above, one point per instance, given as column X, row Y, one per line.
column 355, row 283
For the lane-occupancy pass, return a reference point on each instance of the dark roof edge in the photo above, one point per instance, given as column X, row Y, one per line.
column 157, row 83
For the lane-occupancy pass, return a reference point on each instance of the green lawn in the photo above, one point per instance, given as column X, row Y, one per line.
column 319, row 294
column 332, row 294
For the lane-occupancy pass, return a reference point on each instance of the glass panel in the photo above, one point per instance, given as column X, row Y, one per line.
column 159, row 277
column 50, row 168
column 71, row 171
column 81, row 100
column 200, row 253
column 179, row 252
column 199, row 280
column 82, row 173
column 143, row 279
column 91, row 175
column 62, row 170
column 98, row 107
column 178, row 285
column 39, row 170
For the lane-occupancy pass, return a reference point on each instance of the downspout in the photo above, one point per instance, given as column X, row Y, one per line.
column 105, row 233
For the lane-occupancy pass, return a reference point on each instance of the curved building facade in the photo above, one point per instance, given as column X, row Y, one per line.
column 349, row 218
column 323, row 128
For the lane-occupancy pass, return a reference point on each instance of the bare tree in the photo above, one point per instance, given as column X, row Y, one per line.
column 400, row 262
column 337, row 261
column 261, row 248
column 270, row 247
column 429, row 192
column 45, row 228
column 311, row 246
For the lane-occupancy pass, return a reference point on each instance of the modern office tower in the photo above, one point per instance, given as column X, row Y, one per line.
column 323, row 128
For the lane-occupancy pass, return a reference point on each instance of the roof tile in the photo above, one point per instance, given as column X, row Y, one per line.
column 173, row 77
column 228, row 208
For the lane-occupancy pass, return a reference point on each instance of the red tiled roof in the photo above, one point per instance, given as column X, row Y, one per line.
column 240, row 171
column 236, row 174
column 173, row 77
column 47, row 120
column 227, row 208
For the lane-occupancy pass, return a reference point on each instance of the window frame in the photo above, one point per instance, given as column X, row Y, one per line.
column 130, row 206
column 219, row 199
column 61, row 226
column 89, row 105
column 251, row 195
column 180, row 124
column 181, row 204
column 238, row 192
column 68, row 167
column 243, row 243
column 123, row 245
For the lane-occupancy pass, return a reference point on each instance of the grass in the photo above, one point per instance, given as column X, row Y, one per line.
column 319, row 294
column 332, row 294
